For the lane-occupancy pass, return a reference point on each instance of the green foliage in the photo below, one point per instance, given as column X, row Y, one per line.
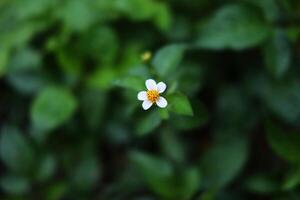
column 52, row 107
column 233, row 26
column 73, row 128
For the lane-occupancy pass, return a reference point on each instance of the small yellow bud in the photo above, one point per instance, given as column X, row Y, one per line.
column 146, row 56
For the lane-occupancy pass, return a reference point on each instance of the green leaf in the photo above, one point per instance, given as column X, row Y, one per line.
column 102, row 78
column 262, row 184
column 180, row 104
column 14, row 185
column 230, row 155
column 52, row 107
column 167, row 59
column 158, row 180
column 161, row 178
column 234, row 27
column 77, row 15
column 24, row 71
column 190, row 183
column 148, row 123
column 16, row 152
column 286, row 145
column 86, row 174
column 131, row 82
column 4, row 55
column 46, row 168
column 292, row 180
column 277, row 54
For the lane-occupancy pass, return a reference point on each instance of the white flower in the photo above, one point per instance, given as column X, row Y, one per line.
column 153, row 94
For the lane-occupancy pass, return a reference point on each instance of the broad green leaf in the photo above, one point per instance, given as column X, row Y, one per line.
column 286, row 145
column 223, row 162
column 148, row 123
column 167, row 59
column 16, row 152
column 277, row 53
column 14, row 185
column 235, row 27
column 52, row 107
column 180, row 104
column 190, row 183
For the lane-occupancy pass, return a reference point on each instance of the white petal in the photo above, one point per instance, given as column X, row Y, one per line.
column 151, row 84
column 161, row 87
column 147, row 104
column 142, row 95
column 162, row 102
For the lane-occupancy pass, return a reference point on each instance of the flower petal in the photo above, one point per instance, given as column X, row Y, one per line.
column 162, row 102
column 161, row 87
column 147, row 104
column 151, row 84
column 142, row 95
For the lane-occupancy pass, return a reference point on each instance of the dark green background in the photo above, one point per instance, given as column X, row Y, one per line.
column 73, row 129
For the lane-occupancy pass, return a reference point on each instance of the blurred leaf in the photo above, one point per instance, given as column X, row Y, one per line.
column 16, row 152
column 148, row 123
column 52, row 107
column 102, row 78
column 14, row 185
column 286, row 145
column 292, row 180
column 86, row 173
column 164, row 181
column 140, row 10
column 180, row 104
column 167, row 59
column 46, row 168
column 101, row 44
column 24, row 72
column 172, row 146
column 131, row 82
column 77, row 15
column 4, row 55
column 93, row 104
column 278, row 54
column 158, row 180
column 231, row 155
column 262, row 184
column 32, row 8
column 56, row 191
column 190, row 183
column 233, row 26
column 283, row 99
column 199, row 119
column 270, row 8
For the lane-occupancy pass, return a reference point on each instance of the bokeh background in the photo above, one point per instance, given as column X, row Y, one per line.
column 73, row 129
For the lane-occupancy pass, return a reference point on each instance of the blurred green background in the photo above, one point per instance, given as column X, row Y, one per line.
column 73, row 129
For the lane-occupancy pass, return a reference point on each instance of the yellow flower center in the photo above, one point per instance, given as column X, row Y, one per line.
column 152, row 95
